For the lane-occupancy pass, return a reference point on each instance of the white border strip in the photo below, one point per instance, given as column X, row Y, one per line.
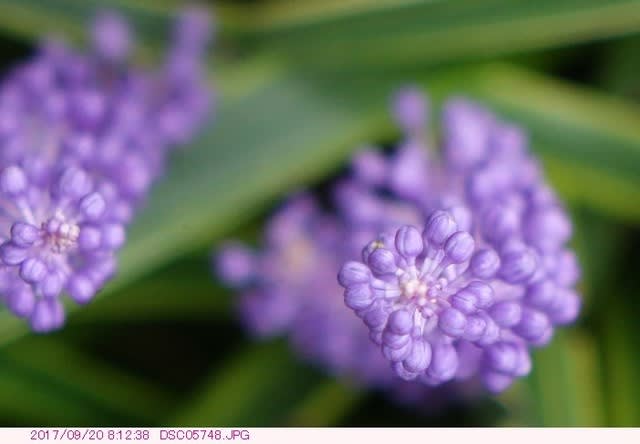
column 321, row 435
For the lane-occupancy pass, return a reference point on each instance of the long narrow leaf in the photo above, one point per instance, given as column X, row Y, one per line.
column 411, row 32
column 567, row 383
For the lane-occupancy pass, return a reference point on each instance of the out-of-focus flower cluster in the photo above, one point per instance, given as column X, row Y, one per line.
column 455, row 259
column 82, row 138
column 291, row 288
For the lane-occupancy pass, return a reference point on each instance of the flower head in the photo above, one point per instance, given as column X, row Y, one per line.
column 77, row 159
column 288, row 288
column 455, row 261
column 58, row 239
column 485, row 276
column 431, row 296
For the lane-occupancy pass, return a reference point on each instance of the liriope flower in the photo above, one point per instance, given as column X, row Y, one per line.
column 82, row 138
column 454, row 259
column 486, row 275
column 288, row 287
column 98, row 112
column 59, row 239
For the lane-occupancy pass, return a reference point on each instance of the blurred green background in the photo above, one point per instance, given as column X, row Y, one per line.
column 300, row 84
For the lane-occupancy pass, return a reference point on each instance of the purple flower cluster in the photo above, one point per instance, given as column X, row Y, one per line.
column 290, row 288
column 463, row 259
column 486, row 275
column 82, row 138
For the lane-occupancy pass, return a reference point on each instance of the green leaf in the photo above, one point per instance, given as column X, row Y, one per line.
column 151, row 21
column 567, row 383
column 618, row 72
column 376, row 34
column 620, row 342
column 598, row 242
column 520, row 409
column 253, row 389
column 283, row 134
column 326, row 405
column 360, row 32
column 45, row 405
column 33, row 19
column 184, row 290
column 46, row 382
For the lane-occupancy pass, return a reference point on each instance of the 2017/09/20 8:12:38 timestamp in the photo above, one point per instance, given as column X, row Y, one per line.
column 89, row 434
column 97, row 434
